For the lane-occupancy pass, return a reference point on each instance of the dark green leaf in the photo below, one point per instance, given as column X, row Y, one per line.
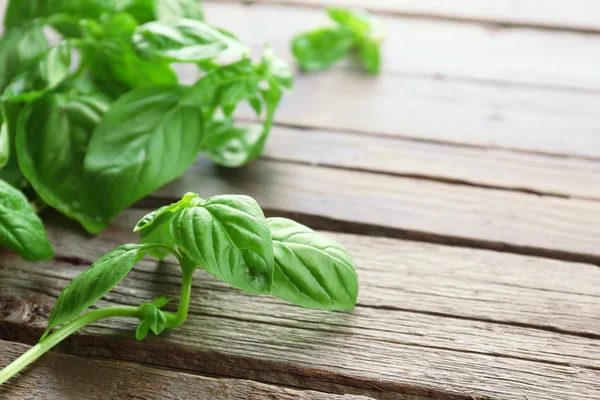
column 167, row 10
column 148, row 138
column 90, row 286
column 319, row 49
column 111, row 56
column 311, row 270
column 228, row 237
column 18, row 48
column 40, row 77
column 185, row 40
column 52, row 141
column 20, row 228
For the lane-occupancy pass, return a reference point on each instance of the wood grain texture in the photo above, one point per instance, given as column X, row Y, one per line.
column 559, row 14
column 58, row 376
column 485, row 116
column 433, row 322
column 541, row 174
column 405, row 207
column 423, row 47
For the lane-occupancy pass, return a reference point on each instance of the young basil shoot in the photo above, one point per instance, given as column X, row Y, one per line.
column 96, row 121
column 229, row 237
column 356, row 31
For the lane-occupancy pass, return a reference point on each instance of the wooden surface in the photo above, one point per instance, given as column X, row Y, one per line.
column 464, row 181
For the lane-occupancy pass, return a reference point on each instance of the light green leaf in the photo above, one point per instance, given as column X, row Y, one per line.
column 369, row 55
column 275, row 69
column 168, row 10
column 90, row 286
column 42, row 76
column 226, row 85
column 152, row 318
column 311, row 270
column 4, row 144
column 148, row 220
column 320, row 49
column 146, row 139
column 185, row 40
column 232, row 146
column 228, row 237
column 20, row 228
column 11, row 173
column 52, row 140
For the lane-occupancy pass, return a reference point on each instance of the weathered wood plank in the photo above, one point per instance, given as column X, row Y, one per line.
column 379, row 350
column 568, row 177
column 561, row 14
column 424, row 47
column 58, row 376
column 489, row 116
column 409, row 208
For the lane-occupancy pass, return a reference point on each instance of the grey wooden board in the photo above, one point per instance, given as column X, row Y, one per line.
column 560, row 14
column 542, row 174
column 64, row 377
column 431, row 322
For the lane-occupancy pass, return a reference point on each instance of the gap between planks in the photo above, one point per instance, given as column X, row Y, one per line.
column 402, row 353
column 367, row 203
column 487, row 168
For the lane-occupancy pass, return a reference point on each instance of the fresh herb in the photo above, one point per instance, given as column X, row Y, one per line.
column 97, row 120
column 356, row 31
column 230, row 238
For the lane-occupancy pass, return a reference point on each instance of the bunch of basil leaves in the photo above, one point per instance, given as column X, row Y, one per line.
column 98, row 119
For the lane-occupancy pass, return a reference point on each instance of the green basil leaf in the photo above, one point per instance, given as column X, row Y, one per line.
column 111, row 56
column 11, row 173
column 320, row 49
column 18, row 48
column 232, row 146
column 275, row 69
column 20, row 228
column 311, row 270
column 148, row 220
column 39, row 78
column 146, row 139
column 361, row 23
column 152, row 319
column 367, row 31
column 167, row 10
column 20, row 12
column 94, row 283
column 185, row 40
column 369, row 55
column 226, row 85
column 52, row 141
column 4, row 144
column 228, row 237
